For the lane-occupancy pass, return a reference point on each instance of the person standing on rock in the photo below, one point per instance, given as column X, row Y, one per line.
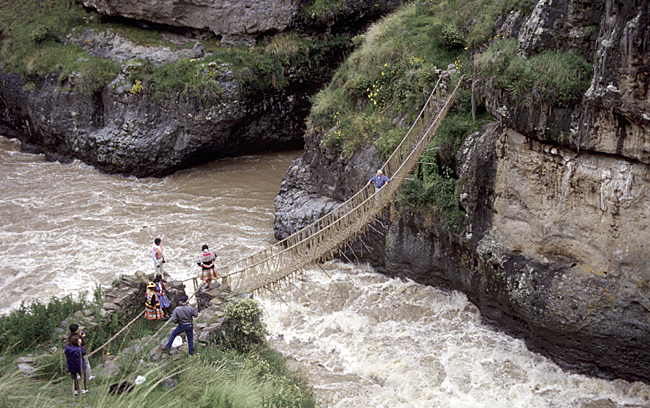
column 206, row 262
column 158, row 257
column 161, row 292
column 75, row 363
column 152, row 309
column 183, row 315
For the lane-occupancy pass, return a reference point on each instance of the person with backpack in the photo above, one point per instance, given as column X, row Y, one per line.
column 206, row 262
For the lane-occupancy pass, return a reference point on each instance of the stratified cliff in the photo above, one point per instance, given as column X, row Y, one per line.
column 144, row 129
column 554, row 243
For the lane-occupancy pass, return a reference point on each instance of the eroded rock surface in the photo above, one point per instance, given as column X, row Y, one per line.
column 236, row 22
column 554, row 246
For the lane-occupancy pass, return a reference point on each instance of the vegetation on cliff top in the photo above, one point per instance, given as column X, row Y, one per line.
column 34, row 42
column 242, row 371
column 383, row 84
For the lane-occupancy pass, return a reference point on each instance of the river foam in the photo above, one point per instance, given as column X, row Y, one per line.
column 365, row 340
column 361, row 339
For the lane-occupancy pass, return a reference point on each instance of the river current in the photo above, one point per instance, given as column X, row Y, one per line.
column 359, row 338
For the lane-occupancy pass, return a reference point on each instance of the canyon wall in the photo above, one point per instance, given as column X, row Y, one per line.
column 554, row 245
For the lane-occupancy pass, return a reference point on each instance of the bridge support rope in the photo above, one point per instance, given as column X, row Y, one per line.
column 322, row 238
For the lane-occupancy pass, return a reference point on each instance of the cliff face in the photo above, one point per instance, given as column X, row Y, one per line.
column 118, row 131
column 241, row 22
column 553, row 248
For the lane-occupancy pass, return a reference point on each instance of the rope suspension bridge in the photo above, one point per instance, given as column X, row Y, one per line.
column 321, row 239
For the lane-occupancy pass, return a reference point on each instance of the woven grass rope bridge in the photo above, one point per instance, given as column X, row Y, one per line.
column 321, row 239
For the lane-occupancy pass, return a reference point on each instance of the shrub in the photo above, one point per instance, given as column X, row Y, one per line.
column 453, row 37
column 40, row 33
column 29, row 325
column 554, row 77
column 245, row 330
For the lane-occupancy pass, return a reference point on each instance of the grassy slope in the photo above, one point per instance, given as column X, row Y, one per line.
column 34, row 32
column 392, row 71
column 242, row 372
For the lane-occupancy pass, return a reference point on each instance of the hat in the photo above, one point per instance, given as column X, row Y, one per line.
column 183, row 299
column 151, row 285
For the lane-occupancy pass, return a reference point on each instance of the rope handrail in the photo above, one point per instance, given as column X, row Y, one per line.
column 322, row 237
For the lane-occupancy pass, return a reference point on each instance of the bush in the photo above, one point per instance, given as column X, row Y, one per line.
column 453, row 37
column 244, row 331
column 32, row 324
column 554, row 77
column 40, row 33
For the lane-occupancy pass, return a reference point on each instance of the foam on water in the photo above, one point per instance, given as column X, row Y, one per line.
column 67, row 228
column 364, row 340
column 361, row 339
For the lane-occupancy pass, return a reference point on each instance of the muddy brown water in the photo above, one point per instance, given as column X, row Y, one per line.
column 359, row 338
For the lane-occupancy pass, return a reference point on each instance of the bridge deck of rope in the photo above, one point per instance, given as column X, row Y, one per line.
column 322, row 238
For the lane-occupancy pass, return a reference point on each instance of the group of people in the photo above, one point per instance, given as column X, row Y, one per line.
column 157, row 303
column 157, row 306
column 205, row 261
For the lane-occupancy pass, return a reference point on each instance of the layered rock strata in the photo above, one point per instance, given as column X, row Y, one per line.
column 553, row 247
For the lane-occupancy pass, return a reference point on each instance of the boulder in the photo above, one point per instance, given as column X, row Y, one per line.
column 26, row 369
column 237, row 23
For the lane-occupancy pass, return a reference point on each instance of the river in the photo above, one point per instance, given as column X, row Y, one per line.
column 360, row 339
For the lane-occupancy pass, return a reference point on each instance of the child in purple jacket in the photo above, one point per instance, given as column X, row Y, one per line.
column 76, row 365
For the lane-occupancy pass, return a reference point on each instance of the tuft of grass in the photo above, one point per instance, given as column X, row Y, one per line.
column 323, row 11
column 554, row 77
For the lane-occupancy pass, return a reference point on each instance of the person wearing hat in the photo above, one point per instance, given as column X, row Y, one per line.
column 152, row 310
column 183, row 315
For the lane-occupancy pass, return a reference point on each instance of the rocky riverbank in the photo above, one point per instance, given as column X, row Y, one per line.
column 552, row 246
column 121, row 303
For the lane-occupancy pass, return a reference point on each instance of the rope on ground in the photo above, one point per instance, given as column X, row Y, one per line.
column 118, row 333
column 133, row 321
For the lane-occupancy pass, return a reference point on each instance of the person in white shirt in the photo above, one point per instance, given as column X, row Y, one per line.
column 158, row 257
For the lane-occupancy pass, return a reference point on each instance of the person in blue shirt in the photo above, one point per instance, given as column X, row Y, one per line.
column 379, row 180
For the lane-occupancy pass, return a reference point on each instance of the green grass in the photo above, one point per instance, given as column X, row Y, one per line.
column 34, row 31
column 31, row 325
column 554, row 77
column 210, row 378
column 248, row 375
column 32, row 37
column 392, row 71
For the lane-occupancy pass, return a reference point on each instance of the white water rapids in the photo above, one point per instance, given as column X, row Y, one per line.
column 359, row 338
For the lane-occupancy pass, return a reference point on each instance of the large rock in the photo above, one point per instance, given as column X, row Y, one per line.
column 237, row 22
column 121, row 132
